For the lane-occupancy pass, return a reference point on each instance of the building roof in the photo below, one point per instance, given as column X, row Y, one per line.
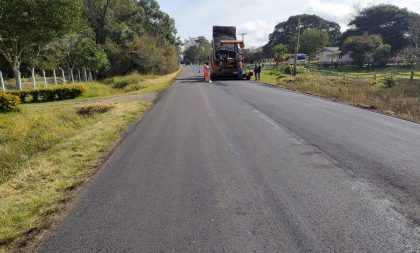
column 331, row 49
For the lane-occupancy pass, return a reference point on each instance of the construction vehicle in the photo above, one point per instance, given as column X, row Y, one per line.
column 225, row 57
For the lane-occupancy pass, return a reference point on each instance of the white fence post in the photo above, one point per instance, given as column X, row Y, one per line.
column 33, row 77
column 79, row 76
column 45, row 78
column 72, row 76
column 2, row 82
column 85, row 74
column 55, row 77
column 64, row 75
column 19, row 77
column 90, row 76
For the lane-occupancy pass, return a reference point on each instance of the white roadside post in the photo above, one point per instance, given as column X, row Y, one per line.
column 85, row 74
column 45, row 78
column 2, row 82
column 19, row 77
column 55, row 77
column 64, row 75
column 33, row 77
column 78, row 75
column 72, row 76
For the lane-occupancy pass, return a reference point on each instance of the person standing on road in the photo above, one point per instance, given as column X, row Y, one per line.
column 258, row 72
column 240, row 69
column 206, row 71
column 255, row 70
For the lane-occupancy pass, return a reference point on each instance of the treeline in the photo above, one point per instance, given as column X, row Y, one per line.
column 106, row 36
column 376, row 33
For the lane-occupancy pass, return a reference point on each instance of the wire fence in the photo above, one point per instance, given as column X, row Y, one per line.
column 44, row 78
column 363, row 77
column 358, row 77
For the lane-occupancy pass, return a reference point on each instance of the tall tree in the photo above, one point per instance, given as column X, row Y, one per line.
column 312, row 41
column 280, row 52
column 197, row 50
column 362, row 48
column 25, row 23
column 130, row 28
column 411, row 52
column 389, row 21
column 284, row 32
column 76, row 51
column 159, row 23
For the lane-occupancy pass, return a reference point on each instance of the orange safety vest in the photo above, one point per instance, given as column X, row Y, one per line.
column 206, row 73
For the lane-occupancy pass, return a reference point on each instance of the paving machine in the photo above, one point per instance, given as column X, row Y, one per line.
column 225, row 57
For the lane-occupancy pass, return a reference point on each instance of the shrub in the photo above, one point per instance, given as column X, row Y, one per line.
column 63, row 92
column 8, row 102
column 91, row 110
column 120, row 84
column 289, row 69
column 390, row 81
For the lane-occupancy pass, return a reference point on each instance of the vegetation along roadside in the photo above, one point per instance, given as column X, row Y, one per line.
column 49, row 149
column 397, row 97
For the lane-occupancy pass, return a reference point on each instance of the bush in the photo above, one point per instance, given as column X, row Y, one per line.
column 289, row 69
column 91, row 110
column 63, row 92
column 120, row 84
column 8, row 102
column 390, row 81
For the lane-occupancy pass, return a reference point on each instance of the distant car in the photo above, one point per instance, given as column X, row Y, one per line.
column 301, row 59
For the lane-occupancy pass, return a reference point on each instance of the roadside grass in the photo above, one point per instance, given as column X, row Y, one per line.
column 360, row 70
column 402, row 100
column 136, row 83
column 48, row 149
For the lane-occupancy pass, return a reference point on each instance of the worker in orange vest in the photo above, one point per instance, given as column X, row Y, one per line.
column 207, row 72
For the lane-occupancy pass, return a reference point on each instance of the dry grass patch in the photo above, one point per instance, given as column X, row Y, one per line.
column 55, row 153
column 49, row 149
column 402, row 100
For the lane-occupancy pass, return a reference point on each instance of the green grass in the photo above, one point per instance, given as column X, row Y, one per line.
column 48, row 149
column 366, row 69
column 402, row 100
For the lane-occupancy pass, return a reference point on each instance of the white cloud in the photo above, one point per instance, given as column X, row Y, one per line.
column 257, row 32
column 259, row 17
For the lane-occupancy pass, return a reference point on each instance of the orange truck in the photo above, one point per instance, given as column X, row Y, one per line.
column 226, row 59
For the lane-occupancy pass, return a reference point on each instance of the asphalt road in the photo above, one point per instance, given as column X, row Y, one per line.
column 238, row 167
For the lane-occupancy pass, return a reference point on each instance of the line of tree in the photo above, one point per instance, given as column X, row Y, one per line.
column 196, row 50
column 107, row 36
column 376, row 33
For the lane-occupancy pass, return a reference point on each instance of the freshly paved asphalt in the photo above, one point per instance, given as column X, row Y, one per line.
column 238, row 167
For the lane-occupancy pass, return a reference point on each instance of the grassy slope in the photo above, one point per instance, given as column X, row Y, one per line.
column 402, row 100
column 48, row 149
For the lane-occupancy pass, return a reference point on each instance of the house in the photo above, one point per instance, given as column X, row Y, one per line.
column 331, row 55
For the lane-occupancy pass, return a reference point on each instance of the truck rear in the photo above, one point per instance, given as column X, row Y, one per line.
column 225, row 56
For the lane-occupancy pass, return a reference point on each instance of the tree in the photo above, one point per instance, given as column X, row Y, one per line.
column 412, row 52
column 252, row 55
column 76, row 51
column 280, row 52
column 26, row 24
column 159, row 23
column 285, row 32
column 312, row 41
column 381, row 55
column 389, row 21
column 362, row 48
column 197, row 50
column 129, row 28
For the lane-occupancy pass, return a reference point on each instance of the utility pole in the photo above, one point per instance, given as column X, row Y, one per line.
column 296, row 49
column 243, row 35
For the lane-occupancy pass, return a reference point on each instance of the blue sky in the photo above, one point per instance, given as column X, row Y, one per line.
column 258, row 17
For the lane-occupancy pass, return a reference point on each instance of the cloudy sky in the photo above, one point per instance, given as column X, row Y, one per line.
column 258, row 17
